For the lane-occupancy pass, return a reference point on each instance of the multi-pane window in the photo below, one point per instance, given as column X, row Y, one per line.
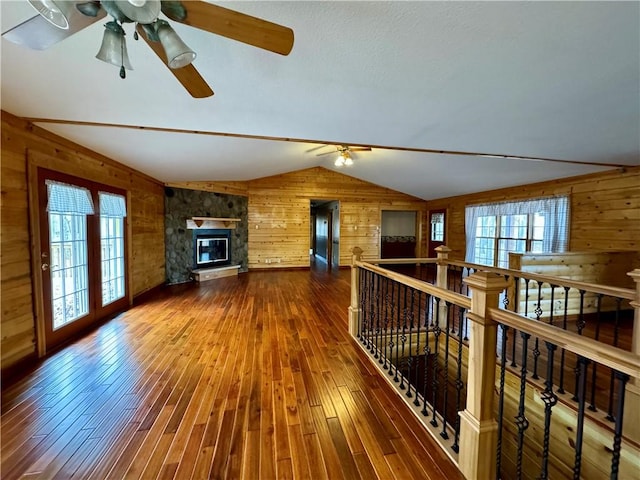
column 437, row 227
column 69, row 267
column 495, row 230
column 67, row 210
column 112, row 212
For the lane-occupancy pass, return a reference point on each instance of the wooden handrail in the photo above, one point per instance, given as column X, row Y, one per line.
column 612, row 357
column 446, row 295
column 626, row 293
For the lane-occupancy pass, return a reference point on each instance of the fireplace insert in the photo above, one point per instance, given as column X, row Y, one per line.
column 211, row 249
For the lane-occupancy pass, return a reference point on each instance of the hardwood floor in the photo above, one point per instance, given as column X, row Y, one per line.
column 244, row 377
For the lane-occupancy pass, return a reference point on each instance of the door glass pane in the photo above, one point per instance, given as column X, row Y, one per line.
column 437, row 227
column 112, row 258
column 69, row 268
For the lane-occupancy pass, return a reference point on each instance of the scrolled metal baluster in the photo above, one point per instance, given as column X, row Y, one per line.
column 616, row 333
column 564, row 327
column 550, row 399
column 435, row 368
column 403, row 337
column 503, row 369
column 582, row 387
column 445, row 393
column 592, row 403
column 427, row 352
column 622, row 378
column 536, row 348
column 416, row 400
column 398, row 309
column 384, row 331
column 459, row 386
column 580, row 324
column 516, row 299
column 411, row 317
column 520, row 420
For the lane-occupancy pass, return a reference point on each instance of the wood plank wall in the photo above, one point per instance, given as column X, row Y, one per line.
column 279, row 214
column 146, row 218
column 605, row 210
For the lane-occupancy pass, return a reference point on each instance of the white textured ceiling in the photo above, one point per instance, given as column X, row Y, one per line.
column 557, row 80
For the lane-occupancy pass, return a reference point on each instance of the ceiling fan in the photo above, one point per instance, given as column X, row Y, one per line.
column 344, row 154
column 59, row 19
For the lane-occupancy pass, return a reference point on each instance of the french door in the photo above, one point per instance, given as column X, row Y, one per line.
column 82, row 253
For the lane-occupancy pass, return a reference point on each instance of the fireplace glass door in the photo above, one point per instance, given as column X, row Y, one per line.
column 212, row 251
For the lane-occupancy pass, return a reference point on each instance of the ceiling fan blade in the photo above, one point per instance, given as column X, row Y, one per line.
column 359, row 149
column 327, row 153
column 188, row 76
column 38, row 34
column 316, row 148
column 238, row 26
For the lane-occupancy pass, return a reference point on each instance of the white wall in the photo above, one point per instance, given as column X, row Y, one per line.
column 398, row 223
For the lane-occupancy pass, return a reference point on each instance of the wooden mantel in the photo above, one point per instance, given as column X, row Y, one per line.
column 195, row 223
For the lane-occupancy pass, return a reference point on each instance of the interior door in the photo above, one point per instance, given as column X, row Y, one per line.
column 82, row 254
column 437, row 230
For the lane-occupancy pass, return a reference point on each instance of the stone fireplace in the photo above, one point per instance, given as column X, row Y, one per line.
column 185, row 214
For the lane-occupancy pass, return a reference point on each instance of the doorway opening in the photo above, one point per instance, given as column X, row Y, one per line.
column 399, row 234
column 324, row 233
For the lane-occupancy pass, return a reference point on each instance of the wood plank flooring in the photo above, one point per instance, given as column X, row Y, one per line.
column 247, row 377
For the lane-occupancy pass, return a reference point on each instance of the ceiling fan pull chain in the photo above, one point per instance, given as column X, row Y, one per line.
column 123, row 73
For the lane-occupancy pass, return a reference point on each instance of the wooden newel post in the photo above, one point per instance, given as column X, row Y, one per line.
column 354, row 308
column 478, row 426
column 441, row 280
column 631, row 419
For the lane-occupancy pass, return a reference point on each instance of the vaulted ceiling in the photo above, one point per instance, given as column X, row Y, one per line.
column 545, row 80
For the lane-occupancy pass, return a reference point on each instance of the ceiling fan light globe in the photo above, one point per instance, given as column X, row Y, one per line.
column 348, row 162
column 55, row 13
column 339, row 162
column 178, row 53
column 114, row 49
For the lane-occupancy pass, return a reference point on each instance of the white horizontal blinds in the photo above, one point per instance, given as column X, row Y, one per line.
column 65, row 198
column 112, row 205
column 555, row 211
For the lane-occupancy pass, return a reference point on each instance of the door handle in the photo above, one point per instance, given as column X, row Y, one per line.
column 45, row 267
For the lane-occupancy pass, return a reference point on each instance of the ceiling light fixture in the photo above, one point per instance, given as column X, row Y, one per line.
column 344, row 159
column 143, row 12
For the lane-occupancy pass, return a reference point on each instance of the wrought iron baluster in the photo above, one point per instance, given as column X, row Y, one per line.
column 580, row 324
column 459, row 386
column 616, row 333
column 410, row 360
column 564, row 327
column 380, row 318
column 445, row 393
column 503, row 368
column 521, row 421
column 416, row 400
column 384, row 330
column 617, row 436
column 403, row 337
column 550, row 399
column 427, row 352
column 536, row 349
column 398, row 310
column 516, row 300
column 592, row 404
column 435, row 367
column 582, row 386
